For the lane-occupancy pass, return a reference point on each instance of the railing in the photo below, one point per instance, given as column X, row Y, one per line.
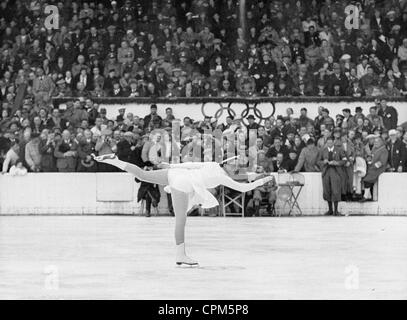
column 121, row 100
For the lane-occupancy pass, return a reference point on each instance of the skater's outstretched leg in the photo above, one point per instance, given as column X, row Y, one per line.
column 243, row 187
column 180, row 204
column 156, row 177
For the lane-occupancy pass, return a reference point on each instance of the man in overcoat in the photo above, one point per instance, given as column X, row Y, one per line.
column 332, row 159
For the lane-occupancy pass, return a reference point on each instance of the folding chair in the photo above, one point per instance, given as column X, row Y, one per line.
column 290, row 189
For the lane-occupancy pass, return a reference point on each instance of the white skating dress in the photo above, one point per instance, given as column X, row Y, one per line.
column 195, row 178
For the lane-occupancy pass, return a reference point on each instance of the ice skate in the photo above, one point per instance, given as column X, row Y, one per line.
column 182, row 258
column 104, row 157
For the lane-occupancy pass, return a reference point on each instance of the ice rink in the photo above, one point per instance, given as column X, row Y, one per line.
column 128, row 257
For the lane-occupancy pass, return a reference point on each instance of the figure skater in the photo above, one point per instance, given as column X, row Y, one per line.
column 188, row 184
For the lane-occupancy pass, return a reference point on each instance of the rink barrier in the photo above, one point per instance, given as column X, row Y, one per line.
column 116, row 193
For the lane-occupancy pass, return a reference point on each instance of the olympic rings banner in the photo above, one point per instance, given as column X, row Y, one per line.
column 261, row 109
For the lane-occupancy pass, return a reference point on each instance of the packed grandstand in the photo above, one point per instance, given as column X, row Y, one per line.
column 199, row 49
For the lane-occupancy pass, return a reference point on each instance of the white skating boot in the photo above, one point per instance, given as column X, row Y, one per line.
column 104, row 157
column 182, row 258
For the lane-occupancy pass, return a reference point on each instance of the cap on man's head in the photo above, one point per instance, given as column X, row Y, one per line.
column 251, row 117
column 128, row 134
column 358, row 109
column 393, row 132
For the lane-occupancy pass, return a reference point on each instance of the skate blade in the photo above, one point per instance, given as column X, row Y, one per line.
column 180, row 264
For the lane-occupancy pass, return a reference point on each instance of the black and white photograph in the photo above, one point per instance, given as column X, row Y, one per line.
column 203, row 150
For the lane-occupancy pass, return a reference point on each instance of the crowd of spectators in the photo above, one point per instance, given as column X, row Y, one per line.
column 197, row 48
column 201, row 48
column 65, row 140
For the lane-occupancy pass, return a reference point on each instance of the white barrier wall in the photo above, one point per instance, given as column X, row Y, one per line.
column 116, row 193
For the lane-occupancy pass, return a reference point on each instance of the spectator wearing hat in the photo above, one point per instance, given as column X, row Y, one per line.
column 183, row 64
column 120, row 117
column 105, row 144
column 331, row 161
column 339, row 120
column 86, row 147
column 348, row 169
column 61, row 90
column 376, row 165
column 397, row 153
column 47, row 146
column 389, row 115
column 252, row 125
column 66, row 153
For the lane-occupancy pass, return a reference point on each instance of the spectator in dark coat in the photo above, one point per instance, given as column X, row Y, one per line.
column 397, row 151
column 389, row 115
column 330, row 162
column 86, row 147
column 126, row 148
column 66, row 153
column 377, row 164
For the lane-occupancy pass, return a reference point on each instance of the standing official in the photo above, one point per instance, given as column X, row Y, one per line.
column 331, row 162
column 397, row 152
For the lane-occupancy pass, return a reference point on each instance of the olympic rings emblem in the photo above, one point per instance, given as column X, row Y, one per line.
column 249, row 107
